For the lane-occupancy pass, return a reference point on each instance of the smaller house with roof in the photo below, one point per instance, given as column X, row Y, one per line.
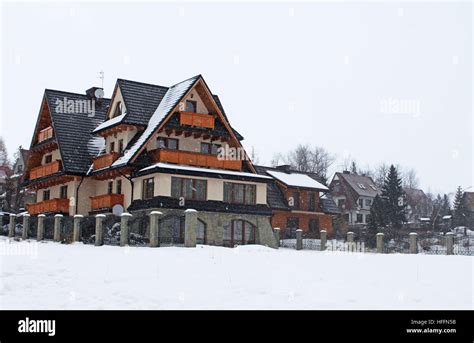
column 468, row 202
column 419, row 206
column 354, row 195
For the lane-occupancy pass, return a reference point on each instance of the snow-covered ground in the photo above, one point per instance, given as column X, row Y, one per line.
column 56, row 276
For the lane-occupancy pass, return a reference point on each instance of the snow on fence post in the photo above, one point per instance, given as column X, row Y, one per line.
column 276, row 233
column 413, row 243
column 58, row 218
column 77, row 232
column 190, row 228
column 449, row 243
column 124, row 229
column 324, row 238
column 26, row 226
column 299, row 239
column 11, row 226
column 99, row 229
column 155, row 228
column 40, row 231
column 350, row 241
column 379, row 237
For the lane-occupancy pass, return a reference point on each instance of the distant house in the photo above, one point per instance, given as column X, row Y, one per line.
column 298, row 201
column 419, row 205
column 468, row 201
column 5, row 172
column 21, row 197
column 354, row 195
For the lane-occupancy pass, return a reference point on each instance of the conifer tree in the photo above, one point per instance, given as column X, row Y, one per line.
column 394, row 198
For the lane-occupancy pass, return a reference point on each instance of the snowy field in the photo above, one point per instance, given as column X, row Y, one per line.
column 55, row 276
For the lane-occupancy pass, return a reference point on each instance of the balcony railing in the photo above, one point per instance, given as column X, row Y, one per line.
column 45, row 169
column 45, row 134
column 106, row 160
column 196, row 119
column 106, row 201
column 52, row 205
column 194, row 159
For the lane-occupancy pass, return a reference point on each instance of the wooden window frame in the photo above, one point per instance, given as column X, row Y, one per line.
column 194, row 192
column 232, row 200
column 61, row 192
column 194, row 102
column 145, row 184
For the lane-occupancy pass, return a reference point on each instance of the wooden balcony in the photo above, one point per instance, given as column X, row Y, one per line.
column 45, row 134
column 196, row 119
column 105, row 160
column 47, row 206
column 106, row 201
column 45, row 169
column 194, row 159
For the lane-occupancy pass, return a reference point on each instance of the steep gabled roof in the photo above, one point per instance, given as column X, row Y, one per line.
column 327, row 204
column 362, row 185
column 73, row 131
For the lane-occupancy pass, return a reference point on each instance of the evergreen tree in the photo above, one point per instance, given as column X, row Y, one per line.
column 459, row 210
column 394, row 198
column 445, row 206
column 377, row 220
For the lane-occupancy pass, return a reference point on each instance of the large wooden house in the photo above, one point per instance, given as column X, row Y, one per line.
column 149, row 148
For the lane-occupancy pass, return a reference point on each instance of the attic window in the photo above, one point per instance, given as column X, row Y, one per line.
column 191, row 106
column 373, row 187
column 118, row 109
column 361, row 186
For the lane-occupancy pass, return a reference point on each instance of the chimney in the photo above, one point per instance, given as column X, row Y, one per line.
column 346, row 172
column 286, row 168
column 95, row 93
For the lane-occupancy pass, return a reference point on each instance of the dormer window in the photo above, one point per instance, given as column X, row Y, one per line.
column 118, row 110
column 191, row 106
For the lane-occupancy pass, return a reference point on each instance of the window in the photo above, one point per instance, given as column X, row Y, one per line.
column 20, row 168
column 191, row 189
column 112, row 147
column 360, row 218
column 292, row 224
column 368, row 202
column 167, row 143
column 120, row 145
column 148, row 188
column 208, row 148
column 373, row 187
column 311, row 202
column 118, row 187
column 313, row 226
column 110, row 187
column 341, row 203
column 118, row 109
column 46, row 195
column 63, row 192
column 48, row 159
column 191, row 106
column 238, row 232
column 239, row 193
column 361, row 203
column 296, row 200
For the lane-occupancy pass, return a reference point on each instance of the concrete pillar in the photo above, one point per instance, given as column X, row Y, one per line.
column 323, row 234
column 350, row 241
column 379, row 238
column 124, row 229
column 155, row 228
column 299, row 239
column 77, row 230
column 26, row 226
column 58, row 219
column 413, row 243
column 11, row 226
column 190, row 228
column 276, row 233
column 40, row 231
column 99, row 229
column 1, row 222
column 450, row 243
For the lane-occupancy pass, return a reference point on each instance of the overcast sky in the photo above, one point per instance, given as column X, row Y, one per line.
column 378, row 82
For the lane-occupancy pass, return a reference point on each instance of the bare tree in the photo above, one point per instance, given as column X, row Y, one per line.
column 310, row 159
column 410, row 179
column 3, row 153
column 254, row 156
column 380, row 173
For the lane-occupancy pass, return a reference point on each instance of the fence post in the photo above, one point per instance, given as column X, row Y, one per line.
column 26, row 226
column 379, row 237
column 350, row 241
column 324, row 238
column 450, row 243
column 276, row 233
column 190, row 228
column 58, row 218
column 1, row 223
column 155, row 228
column 40, row 231
column 124, row 229
column 77, row 232
column 11, row 226
column 413, row 243
column 299, row 239
column 99, row 229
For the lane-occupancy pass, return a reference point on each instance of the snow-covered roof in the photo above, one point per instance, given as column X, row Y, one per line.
column 447, row 217
column 297, row 180
column 109, row 122
column 204, row 170
column 171, row 98
column 424, row 219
